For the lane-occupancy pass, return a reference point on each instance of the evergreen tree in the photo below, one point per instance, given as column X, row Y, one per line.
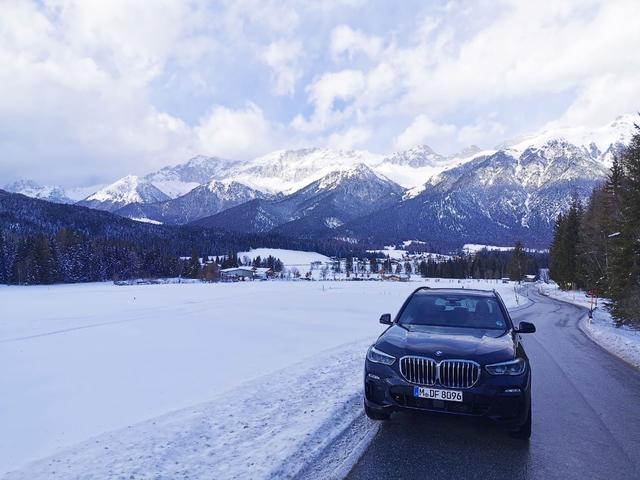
column 193, row 268
column 517, row 263
column 407, row 268
column 349, row 265
column 624, row 252
column 564, row 248
column 3, row 262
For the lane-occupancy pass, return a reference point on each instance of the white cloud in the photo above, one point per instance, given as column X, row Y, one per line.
column 420, row 131
column 236, row 134
column 603, row 97
column 344, row 39
column 356, row 137
column 518, row 50
column 341, row 86
column 282, row 56
column 100, row 89
column 479, row 131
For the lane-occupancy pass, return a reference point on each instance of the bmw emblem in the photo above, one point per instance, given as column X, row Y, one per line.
column 438, row 353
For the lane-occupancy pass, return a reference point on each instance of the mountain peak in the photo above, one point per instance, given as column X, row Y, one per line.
column 124, row 191
column 179, row 179
column 467, row 152
column 33, row 189
column 595, row 141
column 420, row 156
column 22, row 184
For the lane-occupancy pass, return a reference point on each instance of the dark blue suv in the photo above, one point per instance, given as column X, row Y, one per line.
column 452, row 351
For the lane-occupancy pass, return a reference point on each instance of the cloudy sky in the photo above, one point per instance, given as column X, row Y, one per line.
column 93, row 90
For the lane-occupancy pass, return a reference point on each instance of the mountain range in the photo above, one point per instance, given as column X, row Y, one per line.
column 512, row 192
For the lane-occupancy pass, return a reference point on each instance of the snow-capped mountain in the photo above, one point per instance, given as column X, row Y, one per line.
column 323, row 205
column 179, row 179
column 202, row 201
column 35, row 190
column 599, row 143
column 420, row 156
column 127, row 190
column 412, row 168
column 289, row 170
column 515, row 193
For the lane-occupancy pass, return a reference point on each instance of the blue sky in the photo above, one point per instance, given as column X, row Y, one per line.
column 94, row 90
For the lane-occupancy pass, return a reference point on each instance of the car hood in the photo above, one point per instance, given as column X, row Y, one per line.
column 480, row 345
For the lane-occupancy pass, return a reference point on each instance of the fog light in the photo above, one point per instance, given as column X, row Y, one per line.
column 372, row 376
column 512, row 390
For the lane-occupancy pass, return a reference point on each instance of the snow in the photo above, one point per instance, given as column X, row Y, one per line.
column 471, row 248
column 333, row 222
column 602, row 137
column 146, row 220
column 80, row 193
column 127, row 190
column 289, row 258
column 290, row 170
column 391, row 252
column 623, row 341
column 174, row 188
column 209, row 380
column 476, row 247
column 32, row 189
column 413, row 168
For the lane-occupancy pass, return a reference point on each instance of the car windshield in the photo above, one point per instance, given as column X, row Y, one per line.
column 453, row 310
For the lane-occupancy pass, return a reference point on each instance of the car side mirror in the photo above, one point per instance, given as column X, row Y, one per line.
column 526, row 327
column 385, row 319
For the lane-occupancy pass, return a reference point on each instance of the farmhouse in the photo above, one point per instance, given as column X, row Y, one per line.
column 245, row 273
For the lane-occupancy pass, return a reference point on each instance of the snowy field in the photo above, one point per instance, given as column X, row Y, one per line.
column 188, row 380
column 622, row 341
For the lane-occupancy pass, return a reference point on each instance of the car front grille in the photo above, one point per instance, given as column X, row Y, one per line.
column 447, row 373
column 419, row 370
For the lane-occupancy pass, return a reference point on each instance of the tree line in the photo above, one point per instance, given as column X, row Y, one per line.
column 487, row 264
column 70, row 257
column 597, row 246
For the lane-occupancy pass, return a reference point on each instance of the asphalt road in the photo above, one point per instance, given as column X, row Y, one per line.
column 586, row 418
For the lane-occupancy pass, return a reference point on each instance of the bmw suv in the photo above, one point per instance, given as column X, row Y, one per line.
column 452, row 351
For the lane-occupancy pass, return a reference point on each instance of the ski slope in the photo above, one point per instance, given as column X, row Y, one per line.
column 97, row 370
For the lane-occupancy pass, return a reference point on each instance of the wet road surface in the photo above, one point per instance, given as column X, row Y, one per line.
column 586, row 418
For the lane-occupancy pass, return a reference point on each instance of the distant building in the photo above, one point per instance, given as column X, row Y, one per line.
column 394, row 278
column 245, row 273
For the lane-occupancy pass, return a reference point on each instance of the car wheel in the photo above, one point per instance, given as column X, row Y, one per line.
column 376, row 414
column 524, row 432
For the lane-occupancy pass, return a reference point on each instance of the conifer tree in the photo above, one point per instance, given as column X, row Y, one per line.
column 517, row 263
column 193, row 268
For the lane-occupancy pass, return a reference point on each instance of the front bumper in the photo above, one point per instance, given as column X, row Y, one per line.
column 503, row 399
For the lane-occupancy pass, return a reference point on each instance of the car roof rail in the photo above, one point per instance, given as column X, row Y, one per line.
column 420, row 288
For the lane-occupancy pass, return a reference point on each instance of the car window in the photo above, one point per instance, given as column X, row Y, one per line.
column 466, row 311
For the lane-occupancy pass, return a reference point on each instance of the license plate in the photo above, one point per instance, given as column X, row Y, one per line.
column 437, row 394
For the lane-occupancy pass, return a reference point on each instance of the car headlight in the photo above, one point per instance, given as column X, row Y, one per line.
column 512, row 367
column 376, row 356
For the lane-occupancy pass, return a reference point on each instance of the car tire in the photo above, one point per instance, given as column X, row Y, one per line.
column 376, row 414
column 524, row 431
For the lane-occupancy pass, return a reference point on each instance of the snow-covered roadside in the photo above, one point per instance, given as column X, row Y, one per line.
column 269, row 428
column 623, row 341
column 106, row 362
